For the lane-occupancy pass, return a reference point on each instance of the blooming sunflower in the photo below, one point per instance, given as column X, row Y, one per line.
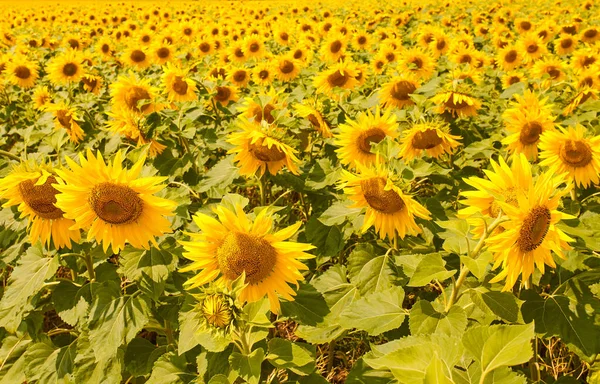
column 92, row 83
column 582, row 95
column 261, row 108
column 388, row 208
column 263, row 74
column 551, row 68
column 240, row 77
column 355, row 137
column 287, row 68
column 136, row 57
column 526, row 120
column 532, row 48
column 177, row 84
column 162, row 53
column 234, row 245
column 570, row 151
column 66, row 68
column 457, row 103
column 509, row 58
column 262, row 147
column 22, row 72
column 511, row 78
column 66, row 118
column 254, row 47
column 30, row 187
column 333, row 48
column 115, row 203
column 133, row 126
column 41, row 97
column 531, row 233
column 309, row 110
column 225, row 95
column 431, row 138
column 134, row 95
column 565, row 44
column 342, row 75
column 397, row 92
column 418, row 63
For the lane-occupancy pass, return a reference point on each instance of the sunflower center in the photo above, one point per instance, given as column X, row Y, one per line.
column 371, row 135
column 465, row 59
column 91, row 83
column 244, row 252
column 22, row 72
column 417, row 62
column 453, row 105
column 534, row 229
column 426, row 139
column 532, row 48
column 204, row 47
column 63, row 118
column 298, row 54
column 69, row 69
column 570, row 29
column 284, row 36
column 41, row 198
column 388, row 202
column 115, row 204
column 180, row 86
column 576, row 153
column 286, row 66
column 187, row 31
column 314, row 120
column 338, row 79
column 553, row 72
column 530, row 133
column 239, row 76
column 335, row 46
column 566, row 43
column 362, row 40
column 588, row 60
column 163, row 52
column 525, row 25
column 239, row 53
column 137, row 56
column 590, row 33
column 223, row 94
column 254, row 47
column 511, row 56
column 266, row 154
column 105, row 48
column 133, row 95
column 440, row 45
column 402, row 90
column 514, row 80
column 145, row 38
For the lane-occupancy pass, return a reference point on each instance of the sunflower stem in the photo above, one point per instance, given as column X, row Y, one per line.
column 263, row 190
column 9, row 155
column 90, row 266
column 330, row 355
column 169, row 333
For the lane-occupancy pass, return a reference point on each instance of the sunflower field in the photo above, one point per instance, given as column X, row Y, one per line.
column 359, row 192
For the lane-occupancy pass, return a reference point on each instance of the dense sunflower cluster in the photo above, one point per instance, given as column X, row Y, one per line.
column 375, row 123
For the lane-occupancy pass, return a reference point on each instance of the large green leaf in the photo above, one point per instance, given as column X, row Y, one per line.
column 376, row 313
column 338, row 213
column 472, row 375
column 12, row 359
column 369, row 272
column 219, row 176
column 309, row 306
column 72, row 302
column 328, row 240
column 115, row 319
column 295, row 356
column 431, row 267
column 361, row 373
column 248, row 366
column 86, row 369
column 26, row 280
column 40, row 363
column 138, row 356
column 505, row 305
column 424, row 319
column 170, row 369
column 499, row 345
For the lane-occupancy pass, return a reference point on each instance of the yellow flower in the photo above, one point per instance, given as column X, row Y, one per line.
column 457, row 103
column 92, row 83
column 396, row 93
column 134, row 95
column 66, row 68
column 136, row 57
column 22, row 72
column 113, row 202
column 570, row 151
column 431, row 138
column 418, row 63
column 388, row 208
column 177, row 84
column 41, row 97
column 309, row 109
column 287, row 68
column 232, row 245
column 66, row 118
column 341, row 75
column 31, row 188
column 509, row 58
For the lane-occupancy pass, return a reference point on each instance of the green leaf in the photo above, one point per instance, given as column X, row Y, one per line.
column 219, row 379
column 295, row 356
column 327, row 240
column 505, row 305
column 40, row 363
column 26, row 280
column 71, row 302
column 431, row 267
column 137, row 356
column 437, row 372
column 371, row 273
column 309, row 306
column 86, row 369
column 361, row 373
column 323, row 174
column 248, row 366
column 424, row 319
column 518, row 88
column 499, row 345
column 115, row 320
column 170, row 369
column 192, row 333
column 478, row 266
column 149, row 268
column 219, row 176
column 12, row 356
column 376, row 313
column 65, row 360
column 338, row 213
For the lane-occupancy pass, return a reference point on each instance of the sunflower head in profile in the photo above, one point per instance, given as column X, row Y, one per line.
column 41, row 97
column 531, row 234
column 92, row 83
column 178, row 86
column 310, row 110
column 581, row 96
column 262, row 147
column 356, row 136
column 526, row 119
column 65, row 117
column 430, row 138
column 570, row 151
column 341, row 75
column 224, row 95
column 234, row 245
column 113, row 203
column 22, row 72
column 30, row 187
column 134, row 127
column 388, row 208
column 459, row 103
column 66, row 68
column 263, row 107
column 136, row 57
column 133, row 95
column 396, row 93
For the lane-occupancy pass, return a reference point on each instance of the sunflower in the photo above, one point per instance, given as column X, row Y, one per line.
column 41, row 97
column 504, row 185
column 342, row 75
column 526, row 120
column 235, row 53
column 92, row 83
column 287, row 68
column 361, row 41
column 113, row 202
column 531, row 233
column 240, row 77
column 225, row 95
column 162, row 53
column 234, row 245
column 378, row 64
column 532, row 48
column 254, row 47
column 549, row 70
column 388, row 208
column 282, row 36
column 136, row 57
column 261, row 108
column 30, row 187
column 309, row 109
column 66, row 68
column 22, row 72
column 511, row 78
column 262, row 147
column 133, row 125
column 263, row 74
column 106, row 48
column 590, row 35
column 523, row 25
column 440, row 44
column 177, row 84
column 584, row 59
column 134, row 95
column 397, row 92
column 570, row 151
column 463, row 55
column 509, row 58
column 457, row 103
column 355, row 137
column 431, row 138
column 206, row 46
column 66, row 118
column 418, row 63
column 582, row 95
column 565, row 44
